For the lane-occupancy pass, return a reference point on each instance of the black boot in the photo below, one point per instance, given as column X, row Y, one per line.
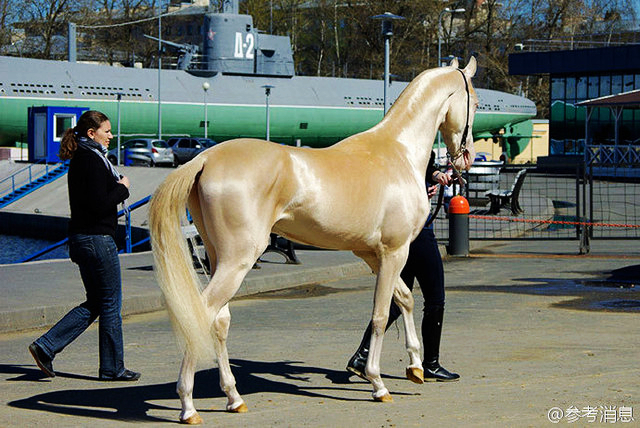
column 431, row 332
column 358, row 361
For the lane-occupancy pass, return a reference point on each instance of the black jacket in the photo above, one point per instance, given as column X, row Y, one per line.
column 94, row 195
column 431, row 168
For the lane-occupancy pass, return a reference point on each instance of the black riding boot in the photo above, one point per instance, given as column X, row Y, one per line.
column 358, row 361
column 431, row 332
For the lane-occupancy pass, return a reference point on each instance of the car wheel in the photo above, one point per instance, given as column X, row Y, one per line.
column 175, row 162
column 112, row 159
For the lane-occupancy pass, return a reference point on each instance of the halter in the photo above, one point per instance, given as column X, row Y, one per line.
column 465, row 133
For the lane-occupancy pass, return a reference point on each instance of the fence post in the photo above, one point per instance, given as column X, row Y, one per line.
column 459, row 226
column 128, row 245
column 585, row 230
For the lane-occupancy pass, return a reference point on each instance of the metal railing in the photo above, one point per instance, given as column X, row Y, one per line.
column 4, row 184
column 129, row 245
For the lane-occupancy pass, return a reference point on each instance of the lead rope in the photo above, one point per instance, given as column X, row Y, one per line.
column 438, row 205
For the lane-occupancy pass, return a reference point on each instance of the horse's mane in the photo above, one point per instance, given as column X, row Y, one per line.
column 417, row 86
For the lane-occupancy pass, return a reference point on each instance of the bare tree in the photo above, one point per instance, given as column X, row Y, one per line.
column 5, row 18
column 46, row 19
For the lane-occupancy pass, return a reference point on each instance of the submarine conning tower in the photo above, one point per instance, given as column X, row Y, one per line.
column 233, row 46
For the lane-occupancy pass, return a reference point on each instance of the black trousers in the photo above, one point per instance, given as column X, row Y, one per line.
column 424, row 264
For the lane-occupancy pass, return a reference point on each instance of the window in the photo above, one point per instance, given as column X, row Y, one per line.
column 594, row 82
column 160, row 143
column 62, row 122
column 570, row 89
column 627, row 83
column 557, row 88
column 616, row 84
column 605, row 86
column 581, row 89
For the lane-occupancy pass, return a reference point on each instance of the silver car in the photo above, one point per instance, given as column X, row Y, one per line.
column 143, row 151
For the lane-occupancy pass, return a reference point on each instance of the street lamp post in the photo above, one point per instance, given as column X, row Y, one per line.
column 451, row 11
column 159, row 69
column 387, row 19
column 267, row 93
column 446, row 10
column 205, row 87
column 118, row 142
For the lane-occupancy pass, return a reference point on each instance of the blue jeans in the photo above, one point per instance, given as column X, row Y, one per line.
column 97, row 258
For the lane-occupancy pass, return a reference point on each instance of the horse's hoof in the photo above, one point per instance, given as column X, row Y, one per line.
column 194, row 419
column 386, row 398
column 240, row 409
column 415, row 375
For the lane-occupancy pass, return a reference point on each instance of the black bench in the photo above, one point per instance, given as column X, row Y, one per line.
column 508, row 197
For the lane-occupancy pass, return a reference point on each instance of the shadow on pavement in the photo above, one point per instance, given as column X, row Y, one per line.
column 613, row 291
column 132, row 402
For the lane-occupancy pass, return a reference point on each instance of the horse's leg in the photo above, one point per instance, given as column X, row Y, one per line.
column 229, row 264
column 188, row 415
column 236, row 254
column 390, row 266
column 235, row 403
column 404, row 299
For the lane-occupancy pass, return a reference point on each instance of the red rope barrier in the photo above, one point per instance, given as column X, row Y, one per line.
column 527, row 220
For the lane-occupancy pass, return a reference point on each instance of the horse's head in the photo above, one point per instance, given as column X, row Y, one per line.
column 456, row 127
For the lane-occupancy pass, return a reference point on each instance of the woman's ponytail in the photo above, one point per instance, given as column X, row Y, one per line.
column 68, row 144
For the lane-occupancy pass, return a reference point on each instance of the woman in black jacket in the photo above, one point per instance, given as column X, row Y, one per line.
column 95, row 190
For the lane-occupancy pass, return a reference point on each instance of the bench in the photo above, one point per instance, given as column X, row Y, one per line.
column 483, row 177
column 508, row 197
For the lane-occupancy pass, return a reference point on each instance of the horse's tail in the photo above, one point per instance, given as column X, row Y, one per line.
column 174, row 265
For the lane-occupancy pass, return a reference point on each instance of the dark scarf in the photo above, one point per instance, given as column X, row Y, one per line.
column 101, row 151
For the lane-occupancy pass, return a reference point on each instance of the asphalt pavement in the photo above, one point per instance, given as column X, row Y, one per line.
column 536, row 331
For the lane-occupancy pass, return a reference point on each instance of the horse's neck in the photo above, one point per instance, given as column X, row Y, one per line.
column 415, row 117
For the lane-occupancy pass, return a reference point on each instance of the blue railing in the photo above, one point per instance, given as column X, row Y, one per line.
column 129, row 246
column 13, row 176
column 29, row 181
column 127, row 213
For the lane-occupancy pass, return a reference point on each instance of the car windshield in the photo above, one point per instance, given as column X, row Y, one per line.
column 160, row 144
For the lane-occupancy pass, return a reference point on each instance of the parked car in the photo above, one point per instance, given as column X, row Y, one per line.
column 185, row 149
column 143, row 151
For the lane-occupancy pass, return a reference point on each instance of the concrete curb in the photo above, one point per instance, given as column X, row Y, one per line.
column 19, row 319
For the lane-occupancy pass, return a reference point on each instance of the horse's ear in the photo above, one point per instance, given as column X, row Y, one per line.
column 454, row 63
column 470, row 69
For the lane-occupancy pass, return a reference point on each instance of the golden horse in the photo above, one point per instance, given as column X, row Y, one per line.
column 365, row 194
